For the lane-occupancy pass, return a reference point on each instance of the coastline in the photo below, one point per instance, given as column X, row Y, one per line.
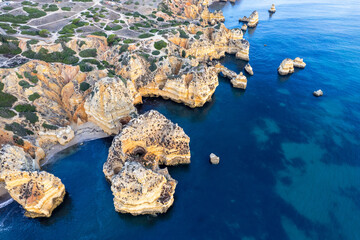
column 83, row 133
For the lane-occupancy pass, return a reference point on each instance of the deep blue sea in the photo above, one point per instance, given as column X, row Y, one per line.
column 289, row 162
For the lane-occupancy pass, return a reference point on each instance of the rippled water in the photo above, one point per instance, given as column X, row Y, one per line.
column 289, row 168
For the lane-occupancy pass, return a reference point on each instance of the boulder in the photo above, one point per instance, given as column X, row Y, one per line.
column 286, row 67
column 299, row 63
column 318, row 93
column 249, row 69
column 214, row 159
column 244, row 27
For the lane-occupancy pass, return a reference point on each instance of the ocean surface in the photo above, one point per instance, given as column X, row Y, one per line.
column 289, row 162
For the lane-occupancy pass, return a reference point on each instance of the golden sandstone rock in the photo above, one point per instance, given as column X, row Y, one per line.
column 272, row 9
column 138, row 184
column 286, row 67
column 299, row 63
column 249, row 69
column 110, row 104
column 237, row 80
column 253, row 19
column 38, row 192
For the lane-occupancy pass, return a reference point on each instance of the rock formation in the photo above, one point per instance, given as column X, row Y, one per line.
column 138, row 190
column 299, row 63
column 244, row 27
column 244, row 19
column 272, row 9
column 237, row 80
column 212, row 18
column 38, row 192
column 318, row 93
column 249, row 69
column 253, row 19
column 138, row 184
column 214, row 159
column 286, row 67
column 110, row 105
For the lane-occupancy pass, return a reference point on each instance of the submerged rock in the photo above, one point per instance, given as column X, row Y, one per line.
column 253, row 19
column 299, row 63
column 38, row 192
column 318, row 93
column 214, row 159
column 272, row 9
column 138, row 184
column 249, row 69
column 286, row 67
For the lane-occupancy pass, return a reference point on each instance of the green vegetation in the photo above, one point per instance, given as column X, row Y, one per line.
column 112, row 39
column 17, row 129
column 156, row 52
column 153, row 66
column 34, row 12
column 66, row 8
column 33, row 97
column 84, row 67
column 99, row 33
column 25, row 108
column 30, row 116
column 84, row 86
column 31, row 33
column 9, row 45
column 29, row 3
column 7, row 8
column 183, row 34
column 88, row 53
column 183, row 53
column 66, row 56
column 6, row 113
column 6, row 99
column 160, row 44
column 145, row 35
column 18, row 140
column 76, row 23
column 129, row 41
column 44, row 33
column 32, row 78
column 8, row 28
column 123, row 48
column 160, row 19
column 24, row 84
column 51, row 8
column 48, row 126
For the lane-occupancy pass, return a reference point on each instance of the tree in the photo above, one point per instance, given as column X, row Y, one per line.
column 44, row 33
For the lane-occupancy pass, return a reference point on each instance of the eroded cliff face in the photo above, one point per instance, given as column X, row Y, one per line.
column 138, row 184
column 110, row 105
column 212, row 43
column 39, row 193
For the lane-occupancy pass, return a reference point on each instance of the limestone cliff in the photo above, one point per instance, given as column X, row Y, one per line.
column 237, row 80
column 110, row 105
column 38, row 192
column 138, row 184
column 253, row 19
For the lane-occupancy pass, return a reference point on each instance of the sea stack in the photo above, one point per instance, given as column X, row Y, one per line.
column 272, row 9
column 244, row 19
column 214, row 159
column 286, row 67
column 239, row 81
column 299, row 63
column 244, row 27
column 249, row 69
column 318, row 93
column 253, row 19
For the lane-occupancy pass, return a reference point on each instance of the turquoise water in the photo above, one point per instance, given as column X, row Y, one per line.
column 289, row 168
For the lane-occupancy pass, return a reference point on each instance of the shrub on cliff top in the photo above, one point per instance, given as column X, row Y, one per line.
column 84, row 86
column 17, row 129
column 160, row 44
column 33, row 97
column 88, row 53
column 6, row 113
column 6, row 99
column 25, row 108
column 48, row 126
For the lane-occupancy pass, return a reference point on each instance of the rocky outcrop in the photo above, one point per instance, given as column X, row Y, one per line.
column 14, row 159
column 299, row 63
column 38, row 192
column 214, row 159
column 138, row 190
column 286, row 67
column 272, row 9
column 249, row 69
column 110, row 105
column 214, row 43
column 244, row 27
column 212, row 18
column 138, row 184
column 237, row 80
column 61, row 135
column 318, row 93
column 244, row 19
column 253, row 19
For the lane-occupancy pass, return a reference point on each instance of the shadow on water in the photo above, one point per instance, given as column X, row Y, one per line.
column 251, row 31
column 270, row 15
column 64, row 210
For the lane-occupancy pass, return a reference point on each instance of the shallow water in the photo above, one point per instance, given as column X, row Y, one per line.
column 289, row 162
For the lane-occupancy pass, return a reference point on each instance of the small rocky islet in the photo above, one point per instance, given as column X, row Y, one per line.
column 96, row 80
